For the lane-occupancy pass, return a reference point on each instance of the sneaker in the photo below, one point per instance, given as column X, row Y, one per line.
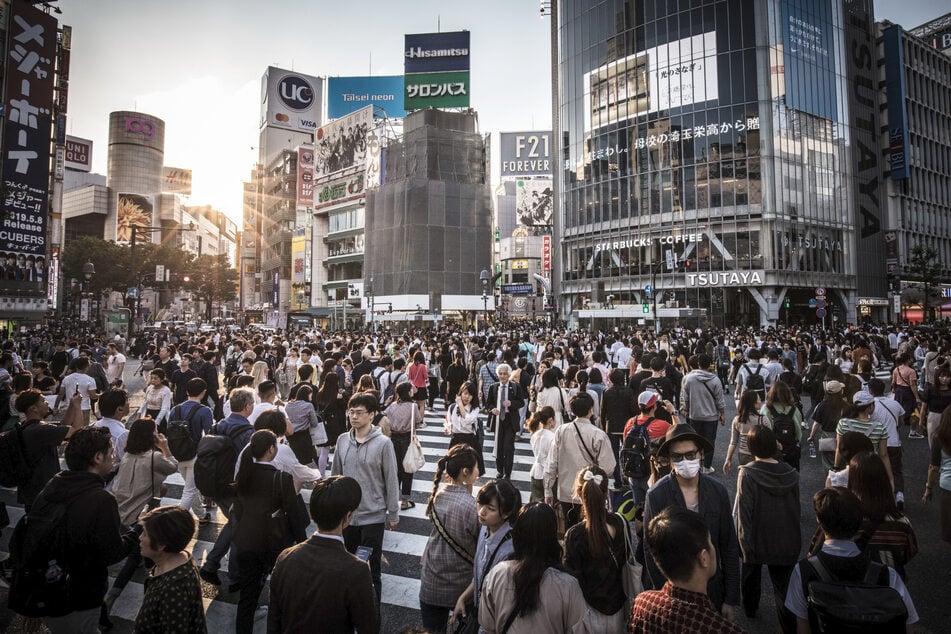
column 708, row 470
column 204, row 520
column 420, row 425
column 914, row 433
column 900, row 501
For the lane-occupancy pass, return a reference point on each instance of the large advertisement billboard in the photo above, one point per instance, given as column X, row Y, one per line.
column 897, row 111
column 534, row 202
column 27, row 129
column 305, row 176
column 675, row 74
column 436, row 52
column 177, row 180
column 436, row 90
column 78, row 154
column 342, row 144
column 808, row 57
column 133, row 210
column 349, row 94
column 525, row 153
column 291, row 100
column 298, row 255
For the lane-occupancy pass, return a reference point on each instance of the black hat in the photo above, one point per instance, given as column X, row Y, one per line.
column 680, row 432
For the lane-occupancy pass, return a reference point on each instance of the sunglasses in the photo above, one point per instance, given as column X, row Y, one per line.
column 689, row 455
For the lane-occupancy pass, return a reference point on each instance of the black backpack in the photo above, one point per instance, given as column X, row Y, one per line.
column 754, row 380
column 636, row 452
column 845, row 607
column 784, row 426
column 15, row 468
column 376, row 374
column 215, row 460
column 390, row 391
column 180, row 440
column 41, row 574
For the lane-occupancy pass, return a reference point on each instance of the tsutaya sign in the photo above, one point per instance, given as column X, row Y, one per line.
column 628, row 243
column 725, row 278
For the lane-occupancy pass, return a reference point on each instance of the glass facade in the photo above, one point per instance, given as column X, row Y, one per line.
column 702, row 139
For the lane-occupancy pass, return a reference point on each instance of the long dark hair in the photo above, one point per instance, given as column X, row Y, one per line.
column 593, row 502
column 869, row 481
column 261, row 441
column 942, row 435
column 539, row 418
column 535, row 541
column 328, row 388
column 460, row 457
column 747, row 405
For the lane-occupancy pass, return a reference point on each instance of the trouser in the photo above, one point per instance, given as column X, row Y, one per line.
column 752, row 585
column 255, row 566
column 707, row 429
column 522, row 413
column 435, row 617
column 616, row 440
column 191, row 497
column 223, row 544
column 538, row 490
column 79, row 622
column 639, row 489
column 132, row 563
column 371, row 536
column 894, row 456
column 400, row 445
column 505, row 448
column 723, row 372
column 473, row 441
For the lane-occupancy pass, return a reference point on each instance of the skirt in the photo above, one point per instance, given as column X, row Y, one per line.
column 422, row 394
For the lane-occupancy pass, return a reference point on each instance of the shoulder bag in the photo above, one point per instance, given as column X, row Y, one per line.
column 414, row 460
column 593, row 458
column 459, row 550
column 277, row 535
column 630, row 569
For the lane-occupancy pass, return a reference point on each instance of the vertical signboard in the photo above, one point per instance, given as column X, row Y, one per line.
column 298, row 254
column 897, row 111
column 305, row 176
column 275, row 288
column 546, row 254
column 436, row 69
column 27, row 133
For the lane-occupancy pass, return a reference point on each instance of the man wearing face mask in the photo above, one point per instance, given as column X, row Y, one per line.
column 686, row 487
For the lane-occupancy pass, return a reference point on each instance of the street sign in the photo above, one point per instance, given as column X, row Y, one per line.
column 812, row 303
column 649, row 290
column 897, row 304
column 670, row 259
column 132, row 292
column 820, row 292
column 159, row 272
column 821, row 303
column 821, row 313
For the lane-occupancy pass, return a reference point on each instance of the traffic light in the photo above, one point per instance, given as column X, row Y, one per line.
column 186, row 279
column 687, row 264
column 788, row 303
column 646, row 308
column 389, row 309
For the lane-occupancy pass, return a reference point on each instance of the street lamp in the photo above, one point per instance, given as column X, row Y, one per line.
column 484, row 278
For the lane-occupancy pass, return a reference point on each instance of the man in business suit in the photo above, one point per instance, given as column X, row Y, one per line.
column 505, row 400
column 322, row 567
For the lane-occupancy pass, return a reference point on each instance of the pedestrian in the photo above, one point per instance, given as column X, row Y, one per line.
column 939, row 473
column 782, row 416
column 403, row 416
column 825, row 418
column 77, row 379
column 596, row 552
column 905, row 387
column 701, row 402
column 157, row 401
column 553, row 395
column 463, row 422
column 529, row 592
column 858, row 418
column 888, row 412
column 767, row 523
column 542, row 425
column 172, row 601
column 419, row 379
column 305, row 423
column 747, row 416
column 618, row 405
column 366, row 455
column 936, row 399
column 504, row 401
column 649, row 423
column 317, row 586
column 199, row 419
column 331, row 404
column 449, row 553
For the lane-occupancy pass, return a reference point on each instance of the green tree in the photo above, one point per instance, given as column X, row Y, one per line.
column 925, row 269
column 213, row 280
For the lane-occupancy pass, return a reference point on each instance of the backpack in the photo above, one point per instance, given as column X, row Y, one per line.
column 180, row 440
column 41, row 576
column 376, row 374
column 215, row 460
column 15, row 468
column 869, row 606
column 390, row 391
column 754, row 380
column 636, row 452
column 784, row 426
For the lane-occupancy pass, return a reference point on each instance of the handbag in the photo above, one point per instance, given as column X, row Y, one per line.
column 277, row 533
column 827, row 444
column 414, row 460
column 631, row 570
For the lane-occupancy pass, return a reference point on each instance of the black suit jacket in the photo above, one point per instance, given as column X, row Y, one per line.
column 516, row 396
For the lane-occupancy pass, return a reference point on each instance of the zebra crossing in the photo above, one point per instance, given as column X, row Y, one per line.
column 402, row 548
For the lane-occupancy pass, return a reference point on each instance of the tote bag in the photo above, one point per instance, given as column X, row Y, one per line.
column 414, row 460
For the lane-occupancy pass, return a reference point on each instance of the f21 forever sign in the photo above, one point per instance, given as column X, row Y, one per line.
column 525, row 153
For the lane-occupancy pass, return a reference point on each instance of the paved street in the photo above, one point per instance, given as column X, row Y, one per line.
column 929, row 573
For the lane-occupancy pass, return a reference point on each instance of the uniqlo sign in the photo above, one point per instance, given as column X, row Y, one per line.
column 546, row 254
column 30, row 68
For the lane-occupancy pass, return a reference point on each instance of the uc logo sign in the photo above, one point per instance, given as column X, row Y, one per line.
column 140, row 126
column 295, row 92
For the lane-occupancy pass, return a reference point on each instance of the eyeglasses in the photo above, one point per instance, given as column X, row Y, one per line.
column 357, row 412
column 690, row 455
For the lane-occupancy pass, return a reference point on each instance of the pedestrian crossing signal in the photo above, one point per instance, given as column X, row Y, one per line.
column 646, row 308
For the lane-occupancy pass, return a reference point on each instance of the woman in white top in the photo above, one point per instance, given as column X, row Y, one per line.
column 287, row 373
column 541, row 424
column 462, row 420
column 158, row 400
column 552, row 395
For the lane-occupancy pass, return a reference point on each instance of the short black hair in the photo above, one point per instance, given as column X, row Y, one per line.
column 27, row 399
column 365, row 399
column 331, row 500
column 195, row 386
column 272, row 420
column 581, row 404
column 761, row 441
column 876, row 386
column 112, row 400
column 838, row 511
column 83, row 446
column 169, row 526
column 675, row 536
column 266, row 388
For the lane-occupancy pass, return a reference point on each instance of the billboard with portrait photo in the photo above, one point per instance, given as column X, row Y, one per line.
column 342, row 144
column 534, row 202
column 133, row 210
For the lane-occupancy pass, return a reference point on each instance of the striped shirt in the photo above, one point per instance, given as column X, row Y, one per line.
column 874, row 429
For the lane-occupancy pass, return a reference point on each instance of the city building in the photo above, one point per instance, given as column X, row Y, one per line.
column 718, row 161
column 936, row 33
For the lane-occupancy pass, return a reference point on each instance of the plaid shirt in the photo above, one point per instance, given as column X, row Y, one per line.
column 445, row 574
column 673, row 610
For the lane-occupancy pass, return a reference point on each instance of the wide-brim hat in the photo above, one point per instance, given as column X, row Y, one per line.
column 680, row 432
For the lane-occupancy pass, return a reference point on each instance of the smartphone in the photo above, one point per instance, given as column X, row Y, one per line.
column 363, row 553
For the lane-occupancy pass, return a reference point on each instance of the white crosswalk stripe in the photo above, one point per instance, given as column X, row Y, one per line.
column 402, row 548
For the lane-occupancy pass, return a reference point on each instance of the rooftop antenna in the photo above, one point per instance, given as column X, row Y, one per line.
column 370, row 68
column 438, row 24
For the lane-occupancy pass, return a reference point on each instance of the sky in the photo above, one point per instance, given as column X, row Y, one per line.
column 198, row 65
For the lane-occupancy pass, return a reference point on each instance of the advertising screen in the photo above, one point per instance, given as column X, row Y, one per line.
column 342, row 144
column 525, row 153
column 27, row 127
column 533, row 202
column 298, row 252
column 133, row 209
column 349, row 94
column 808, row 59
column 291, row 100
column 78, row 154
column 675, row 74
column 436, row 52
column 436, row 90
column 177, row 180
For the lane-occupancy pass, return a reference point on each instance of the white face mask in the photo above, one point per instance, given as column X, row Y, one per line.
column 687, row 468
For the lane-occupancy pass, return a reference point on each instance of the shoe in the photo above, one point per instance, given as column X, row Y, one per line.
column 209, row 576
column 105, row 623
column 708, row 470
column 914, row 433
column 420, row 425
column 204, row 520
column 900, row 501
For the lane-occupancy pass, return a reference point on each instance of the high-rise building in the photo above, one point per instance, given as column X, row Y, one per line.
column 719, row 157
